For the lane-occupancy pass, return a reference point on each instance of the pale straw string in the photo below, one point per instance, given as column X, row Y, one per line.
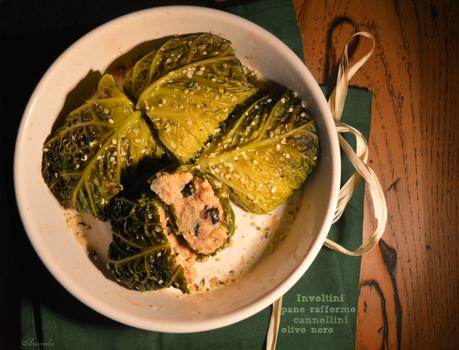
column 273, row 331
column 359, row 158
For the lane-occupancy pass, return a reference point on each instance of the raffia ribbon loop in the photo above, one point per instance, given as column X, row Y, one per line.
column 359, row 157
column 345, row 74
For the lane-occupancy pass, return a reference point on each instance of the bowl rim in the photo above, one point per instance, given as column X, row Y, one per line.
column 237, row 314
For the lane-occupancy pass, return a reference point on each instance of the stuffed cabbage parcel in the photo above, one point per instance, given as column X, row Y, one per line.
column 201, row 212
column 85, row 157
column 188, row 87
column 266, row 153
column 144, row 254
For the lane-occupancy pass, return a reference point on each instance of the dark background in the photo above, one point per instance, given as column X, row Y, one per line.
column 32, row 35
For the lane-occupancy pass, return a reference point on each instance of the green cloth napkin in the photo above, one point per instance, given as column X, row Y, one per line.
column 319, row 312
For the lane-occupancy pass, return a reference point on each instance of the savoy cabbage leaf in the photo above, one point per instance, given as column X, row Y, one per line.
column 85, row 157
column 176, row 52
column 266, row 152
column 188, row 103
column 140, row 256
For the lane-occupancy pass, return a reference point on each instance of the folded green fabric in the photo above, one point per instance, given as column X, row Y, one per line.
column 319, row 312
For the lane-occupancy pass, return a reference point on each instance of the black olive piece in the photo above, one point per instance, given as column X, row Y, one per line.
column 213, row 213
column 188, row 189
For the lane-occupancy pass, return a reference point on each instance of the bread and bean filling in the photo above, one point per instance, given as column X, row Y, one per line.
column 184, row 256
column 197, row 208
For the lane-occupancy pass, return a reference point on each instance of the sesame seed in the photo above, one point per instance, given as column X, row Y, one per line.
column 284, row 141
column 45, row 150
column 283, row 100
column 163, row 101
column 303, row 104
column 110, row 120
column 112, row 159
column 114, row 141
column 290, row 110
column 278, row 147
column 303, row 114
column 77, row 166
column 270, row 100
column 273, row 190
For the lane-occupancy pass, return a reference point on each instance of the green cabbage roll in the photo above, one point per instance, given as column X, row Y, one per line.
column 85, row 157
column 189, row 86
column 144, row 254
column 176, row 52
column 266, row 153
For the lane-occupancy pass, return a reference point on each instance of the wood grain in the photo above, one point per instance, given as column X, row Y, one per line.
column 409, row 284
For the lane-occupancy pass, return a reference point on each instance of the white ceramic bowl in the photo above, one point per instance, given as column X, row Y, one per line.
column 164, row 311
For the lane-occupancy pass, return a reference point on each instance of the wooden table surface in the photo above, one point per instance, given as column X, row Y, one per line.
column 409, row 284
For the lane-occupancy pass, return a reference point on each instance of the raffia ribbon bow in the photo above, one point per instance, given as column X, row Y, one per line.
column 359, row 158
